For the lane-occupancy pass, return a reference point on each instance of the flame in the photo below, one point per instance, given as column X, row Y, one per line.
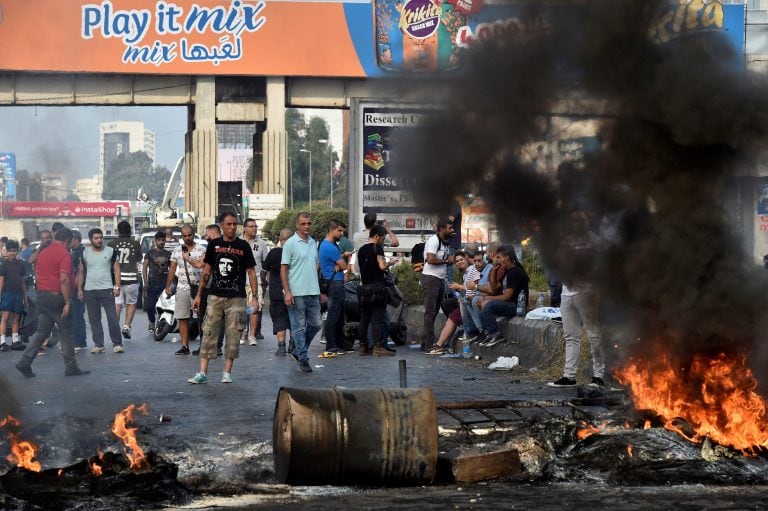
column 588, row 429
column 61, row 471
column 128, row 435
column 97, row 464
column 714, row 395
column 647, row 424
column 629, row 450
column 22, row 451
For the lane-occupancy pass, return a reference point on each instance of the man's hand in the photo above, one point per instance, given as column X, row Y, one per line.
column 454, row 285
column 195, row 304
column 65, row 311
column 168, row 292
column 116, row 291
column 288, row 299
column 450, row 259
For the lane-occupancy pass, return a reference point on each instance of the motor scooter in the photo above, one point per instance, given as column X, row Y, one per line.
column 165, row 318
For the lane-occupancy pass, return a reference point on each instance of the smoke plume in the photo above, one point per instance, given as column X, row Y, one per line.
column 678, row 117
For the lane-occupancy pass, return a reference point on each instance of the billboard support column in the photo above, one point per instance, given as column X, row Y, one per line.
column 274, row 176
column 201, row 179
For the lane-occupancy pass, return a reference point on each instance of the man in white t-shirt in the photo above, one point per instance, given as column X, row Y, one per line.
column 436, row 257
column 187, row 266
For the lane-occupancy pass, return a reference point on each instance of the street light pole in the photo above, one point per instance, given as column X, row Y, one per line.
column 310, row 175
column 330, row 166
column 290, row 170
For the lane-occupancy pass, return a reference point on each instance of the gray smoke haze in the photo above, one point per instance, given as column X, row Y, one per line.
column 676, row 122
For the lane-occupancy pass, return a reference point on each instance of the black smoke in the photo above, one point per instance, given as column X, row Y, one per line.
column 677, row 118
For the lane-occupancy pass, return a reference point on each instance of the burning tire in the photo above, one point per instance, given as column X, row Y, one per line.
column 162, row 329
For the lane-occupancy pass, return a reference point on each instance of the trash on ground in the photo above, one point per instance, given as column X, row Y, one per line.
column 545, row 313
column 504, row 363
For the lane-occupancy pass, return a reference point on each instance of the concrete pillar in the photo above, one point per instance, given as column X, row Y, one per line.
column 201, row 179
column 274, row 176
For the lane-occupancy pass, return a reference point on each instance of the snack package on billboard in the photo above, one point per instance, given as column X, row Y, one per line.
column 416, row 35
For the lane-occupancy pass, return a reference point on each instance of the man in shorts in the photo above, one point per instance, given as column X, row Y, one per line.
column 278, row 311
column 126, row 257
column 186, row 266
column 228, row 261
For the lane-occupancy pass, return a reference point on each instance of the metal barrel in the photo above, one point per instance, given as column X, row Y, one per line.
column 355, row 436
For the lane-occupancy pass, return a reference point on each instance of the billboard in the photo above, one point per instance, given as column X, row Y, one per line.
column 66, row 209
column 383, row 193
column 335, row 38
column 8, row 175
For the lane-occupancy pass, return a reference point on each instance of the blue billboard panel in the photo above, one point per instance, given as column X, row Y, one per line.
column 8, row 174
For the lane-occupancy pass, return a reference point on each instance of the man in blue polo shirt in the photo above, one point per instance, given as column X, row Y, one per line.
column 298, row 273
column 332, row 266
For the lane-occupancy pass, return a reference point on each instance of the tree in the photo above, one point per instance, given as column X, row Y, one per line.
column 28, row 187
column 307, row 135
column 131, row 171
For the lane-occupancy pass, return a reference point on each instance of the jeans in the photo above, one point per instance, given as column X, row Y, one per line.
column 77, row 311
column 470, row 316
column 153, row 294
column 581, row 310
column 49, row 306
column 496, row 309
column 432, row 290
column 372, row 315
column 95, row 300
column 305, row 323
column 334, row 321
column 384, row 329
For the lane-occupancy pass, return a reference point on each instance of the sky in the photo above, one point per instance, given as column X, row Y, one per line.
column 66, row 139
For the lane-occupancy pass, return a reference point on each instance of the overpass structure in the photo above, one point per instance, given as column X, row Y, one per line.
column 245, row 61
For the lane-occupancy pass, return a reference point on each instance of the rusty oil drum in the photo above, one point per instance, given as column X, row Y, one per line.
column 355, row 436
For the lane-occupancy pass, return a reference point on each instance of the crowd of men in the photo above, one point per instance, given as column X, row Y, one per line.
column 220, row 289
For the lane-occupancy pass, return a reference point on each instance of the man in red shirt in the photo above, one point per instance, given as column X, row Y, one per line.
column 53, row 273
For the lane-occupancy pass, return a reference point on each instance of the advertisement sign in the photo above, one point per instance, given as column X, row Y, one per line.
column 66, row 209
column 338, row 38
column 383, row 193
column 8, row 175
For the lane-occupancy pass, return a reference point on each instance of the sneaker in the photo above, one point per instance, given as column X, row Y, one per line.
column 259, row 336
column 493, row 340
column 184, row 350
column 25, row 370
column 118, row 349
column 597, row 382
column 5, row 347
column 305, row 367
column 563, row 382
column 226, row 378
column 126, row 332
column 198, row 378
column 75, row 371
column 242, row 341
column 196, row 352
column 98, row 349
column 364, row 351
column 77, row 350
column 252, row 341
column 280, row 352
column 18, row 346
column 151, row 328
column 437, row 350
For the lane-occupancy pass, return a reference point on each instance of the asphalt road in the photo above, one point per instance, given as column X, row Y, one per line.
column 220, row 434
